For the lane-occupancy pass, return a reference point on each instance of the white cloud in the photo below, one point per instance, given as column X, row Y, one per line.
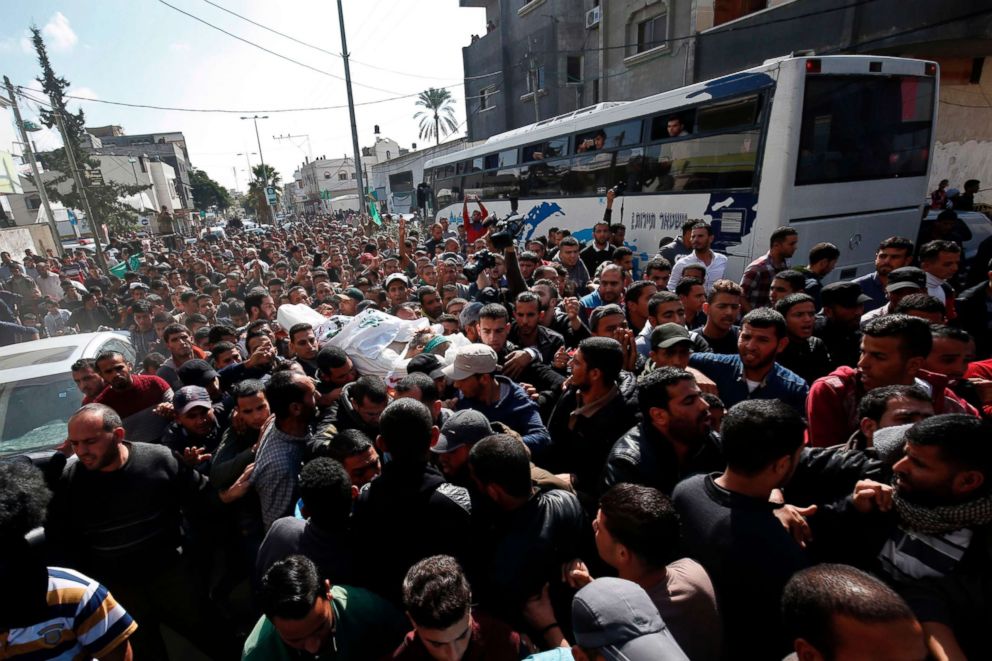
column 26, row 46
column 59, row 35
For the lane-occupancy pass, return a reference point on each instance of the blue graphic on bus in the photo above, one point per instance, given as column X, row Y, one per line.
column 539, row 214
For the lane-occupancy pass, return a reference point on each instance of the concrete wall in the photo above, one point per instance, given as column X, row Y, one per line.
column 963, row 145
column 36, row 237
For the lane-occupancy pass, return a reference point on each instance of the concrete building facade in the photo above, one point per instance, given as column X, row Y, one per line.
column 395, row 180
column 168, row 147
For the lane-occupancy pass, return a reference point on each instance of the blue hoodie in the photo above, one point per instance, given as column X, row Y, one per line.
column 517, row 411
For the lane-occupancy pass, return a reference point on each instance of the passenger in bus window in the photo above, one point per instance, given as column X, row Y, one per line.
column 676, row 127
column 595, row 143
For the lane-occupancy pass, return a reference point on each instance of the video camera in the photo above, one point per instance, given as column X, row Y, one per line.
column 483, row 260
column 507, row 229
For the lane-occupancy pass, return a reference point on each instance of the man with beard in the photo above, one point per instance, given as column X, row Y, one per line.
column 527, row 332
column 335, row 370
column 805, row 355
column 892, row 253
column 894, row 350
column 87, row 379
column 303, row 343
column 462, row 430
column 610, row 289
column 757, row 279
column 730, row 527
column 133, row 396
column 91, row 315
column 672, row 440
column 929, row 531
column 753, row 372
column 291, row 396
column 521, row 365
column 117, row 514
column 259, row 305
column 195, row 433
column 715, row 263
column 590, row 416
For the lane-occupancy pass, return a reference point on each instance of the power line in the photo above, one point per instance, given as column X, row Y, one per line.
column 267, row 50
column 21, row 91
column 331, row 53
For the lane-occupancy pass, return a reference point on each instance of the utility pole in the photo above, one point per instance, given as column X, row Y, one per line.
column 42, row 193
column 234, row 169
column 290, row 137
column 359, row 179
column 264, row 179
column 73, row 167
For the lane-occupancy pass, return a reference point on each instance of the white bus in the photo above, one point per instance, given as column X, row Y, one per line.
column 837, row 147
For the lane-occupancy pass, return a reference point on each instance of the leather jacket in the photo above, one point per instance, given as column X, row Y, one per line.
column 644, row 456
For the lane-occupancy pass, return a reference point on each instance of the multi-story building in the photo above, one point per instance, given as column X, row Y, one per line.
column 167, row 146
column 395, row 180
column 331, row 184
column 9, row 179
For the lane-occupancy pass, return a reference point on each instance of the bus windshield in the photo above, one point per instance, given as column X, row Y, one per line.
column 857, row 128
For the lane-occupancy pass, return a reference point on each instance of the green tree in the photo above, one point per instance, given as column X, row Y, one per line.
column 105, row 197
column 438, row 116
column 256, row 191
column 207, row 192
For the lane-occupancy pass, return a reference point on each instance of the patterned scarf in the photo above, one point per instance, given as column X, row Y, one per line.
column 944, row 518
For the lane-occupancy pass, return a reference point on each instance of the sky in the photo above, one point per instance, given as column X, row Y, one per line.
column 144, row 52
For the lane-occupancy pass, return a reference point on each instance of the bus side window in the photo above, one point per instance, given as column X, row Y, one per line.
column 672, row 125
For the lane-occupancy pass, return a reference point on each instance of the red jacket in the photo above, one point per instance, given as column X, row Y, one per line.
column 981, row 369
column 832, row 404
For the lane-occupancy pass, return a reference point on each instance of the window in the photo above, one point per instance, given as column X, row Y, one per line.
column 491, row 162
column 652, row 33
column 486, row 98
column 728, row 115
column 543, row 178
column 507, row 158
column 856, row 128
column 617, row 135
column 709, row 163
column 573, row 69
column 448, row 191
column 541, row 151
column 500, row 185
column 342, row 176
column 537, row 73
column 588, row 175
column 354, row 176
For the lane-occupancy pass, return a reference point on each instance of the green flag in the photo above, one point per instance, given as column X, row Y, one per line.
column 132, row 264
column 371, row 199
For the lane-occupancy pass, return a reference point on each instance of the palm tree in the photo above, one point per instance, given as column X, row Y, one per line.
column 438, row 115
column 256, row 190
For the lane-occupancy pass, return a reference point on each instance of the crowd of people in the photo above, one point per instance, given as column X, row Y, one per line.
column 574, row 457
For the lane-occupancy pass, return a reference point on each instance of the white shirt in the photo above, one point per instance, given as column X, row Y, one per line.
column 714, row 271
column 935, row 287
column 50, row 286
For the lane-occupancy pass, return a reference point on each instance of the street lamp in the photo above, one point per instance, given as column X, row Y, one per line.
column 265, row 176
column 247, row 161
column 132, row 160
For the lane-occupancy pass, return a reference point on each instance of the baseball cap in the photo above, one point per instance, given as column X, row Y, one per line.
column 906, row 277
column 189, row 397
column 355, row 294
column 470, row 360
column 427, row 363
column 196, row 372
column 463, row 428
column 668, row 335
column 616, row 617
column 138, row 285
column 844, row 294
column 396, row 276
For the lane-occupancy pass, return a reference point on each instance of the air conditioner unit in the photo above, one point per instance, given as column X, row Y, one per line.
column 592, row 17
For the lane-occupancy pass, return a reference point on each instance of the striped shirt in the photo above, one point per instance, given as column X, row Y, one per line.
column 83, row 622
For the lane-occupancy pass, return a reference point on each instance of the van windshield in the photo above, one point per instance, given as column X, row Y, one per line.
column 34, row 412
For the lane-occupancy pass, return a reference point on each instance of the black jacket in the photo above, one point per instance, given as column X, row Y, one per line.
column 808, row 358
column 548, row 342
column 406, row 514
column 973, row 316
column 644, row 456
column 582, row 450
column 825, row 475
column 520, row 551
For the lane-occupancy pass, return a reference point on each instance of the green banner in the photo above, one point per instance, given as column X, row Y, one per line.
column 132, row 264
